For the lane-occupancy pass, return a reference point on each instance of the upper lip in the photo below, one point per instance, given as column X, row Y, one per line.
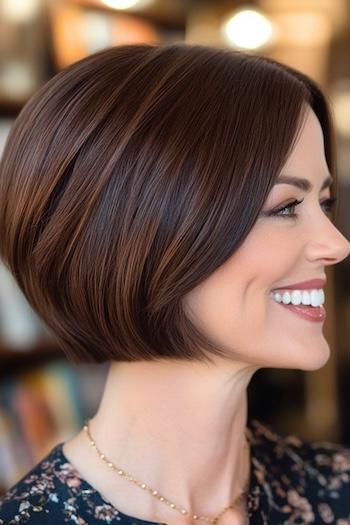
column 304, row 285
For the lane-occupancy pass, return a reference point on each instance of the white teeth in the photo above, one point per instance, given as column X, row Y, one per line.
column 315, row 298
column 286, row 298
column 277, row 297
column 306, row 297
column 295, row 297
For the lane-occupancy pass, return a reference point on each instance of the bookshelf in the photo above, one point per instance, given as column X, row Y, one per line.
column 44, row 400
column 13, row 361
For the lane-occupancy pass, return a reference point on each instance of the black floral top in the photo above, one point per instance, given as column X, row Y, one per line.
column 292, row 481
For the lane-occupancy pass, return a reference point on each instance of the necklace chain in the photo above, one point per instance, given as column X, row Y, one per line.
column 156, row 494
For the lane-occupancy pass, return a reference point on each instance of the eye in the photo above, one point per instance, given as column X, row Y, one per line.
column 280, row 212
column 329, row 204
column 285, row 211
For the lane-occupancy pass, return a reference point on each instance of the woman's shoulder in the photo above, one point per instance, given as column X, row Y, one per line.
column 309, row 479
column 326, row 457
column 54, row 492
column 40, row 494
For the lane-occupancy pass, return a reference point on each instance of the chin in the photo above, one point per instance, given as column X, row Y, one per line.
column 316, row 357
column 299, row 355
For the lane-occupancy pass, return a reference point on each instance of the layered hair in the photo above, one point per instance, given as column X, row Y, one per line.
column 131, row 176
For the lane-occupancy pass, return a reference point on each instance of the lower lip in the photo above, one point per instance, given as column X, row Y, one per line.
column 309, row 313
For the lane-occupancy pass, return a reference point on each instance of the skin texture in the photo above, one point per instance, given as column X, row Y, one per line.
column 234, row 303
column 179, row 427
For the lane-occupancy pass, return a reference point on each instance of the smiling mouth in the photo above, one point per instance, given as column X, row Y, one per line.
column 307, row 313
column 307, row 304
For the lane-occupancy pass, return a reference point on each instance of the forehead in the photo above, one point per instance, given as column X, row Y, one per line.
column 307, row 158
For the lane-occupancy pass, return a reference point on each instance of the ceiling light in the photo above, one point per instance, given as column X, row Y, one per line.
column 247, row 29
column 126, row 4
column 19, row 10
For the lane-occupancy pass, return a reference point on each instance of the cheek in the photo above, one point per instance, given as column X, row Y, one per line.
column 236, row 296
column 270, row 254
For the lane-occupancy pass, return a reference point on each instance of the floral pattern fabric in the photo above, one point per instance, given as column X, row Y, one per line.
column 292, row 481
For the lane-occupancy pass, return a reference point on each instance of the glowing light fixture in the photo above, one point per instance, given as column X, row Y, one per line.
column 126, row 4
column 18, row 11
column 247, row 29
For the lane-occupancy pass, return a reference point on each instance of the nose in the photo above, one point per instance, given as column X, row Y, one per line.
column 328, row 244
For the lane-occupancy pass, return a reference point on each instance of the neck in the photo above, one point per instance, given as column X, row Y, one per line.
column 178, row 427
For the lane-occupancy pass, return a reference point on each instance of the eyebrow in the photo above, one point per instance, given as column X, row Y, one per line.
column 303, row 184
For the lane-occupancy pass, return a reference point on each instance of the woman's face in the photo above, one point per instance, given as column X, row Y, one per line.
column 234, row 306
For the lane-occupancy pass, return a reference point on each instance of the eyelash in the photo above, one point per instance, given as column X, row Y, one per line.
column 329, row 203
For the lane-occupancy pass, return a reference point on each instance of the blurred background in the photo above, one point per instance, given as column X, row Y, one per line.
column 44, row 399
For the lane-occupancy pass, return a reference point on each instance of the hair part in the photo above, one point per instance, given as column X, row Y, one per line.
column 131, row 176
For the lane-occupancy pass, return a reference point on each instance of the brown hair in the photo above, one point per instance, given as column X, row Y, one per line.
column 131, row 176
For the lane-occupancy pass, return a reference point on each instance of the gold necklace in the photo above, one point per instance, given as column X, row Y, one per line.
column 155, row 493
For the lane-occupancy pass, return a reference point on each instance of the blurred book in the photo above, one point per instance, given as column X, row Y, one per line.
column 40, row 408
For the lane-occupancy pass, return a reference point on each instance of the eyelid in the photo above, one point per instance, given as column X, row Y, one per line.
column 291, row 204
column 272, row 212
column 275, row 212
column 331, row 202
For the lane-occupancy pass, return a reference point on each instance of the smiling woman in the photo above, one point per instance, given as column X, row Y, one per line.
column 169, row 209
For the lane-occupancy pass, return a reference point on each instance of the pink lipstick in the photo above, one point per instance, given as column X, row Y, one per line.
column 304, row 285
column 307, row 312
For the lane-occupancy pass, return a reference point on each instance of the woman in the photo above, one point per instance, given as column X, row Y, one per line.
column 157, row 202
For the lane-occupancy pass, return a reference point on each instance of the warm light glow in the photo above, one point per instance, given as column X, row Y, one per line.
column 247, row 29
column 17, row 80
column 126, row 4
column 303, row 29
column 341, row 106
column 19, row 10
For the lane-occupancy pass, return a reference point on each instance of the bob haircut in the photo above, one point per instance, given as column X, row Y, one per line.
column 131, row 176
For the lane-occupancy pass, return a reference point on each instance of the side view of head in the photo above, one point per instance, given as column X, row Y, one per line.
column 133, row 175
